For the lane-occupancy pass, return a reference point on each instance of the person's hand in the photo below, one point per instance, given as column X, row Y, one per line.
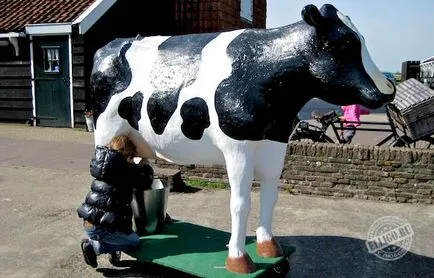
column 130, row 159
column 143, row 161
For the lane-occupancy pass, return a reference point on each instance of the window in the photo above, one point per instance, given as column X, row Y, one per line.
column 51, row 59
column 247, row 10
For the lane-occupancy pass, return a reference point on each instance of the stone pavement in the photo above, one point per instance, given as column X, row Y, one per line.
column 65, row 135
column 44, row 178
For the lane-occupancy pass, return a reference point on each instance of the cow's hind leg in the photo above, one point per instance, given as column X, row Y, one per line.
column 239, row 166
column 269, row 161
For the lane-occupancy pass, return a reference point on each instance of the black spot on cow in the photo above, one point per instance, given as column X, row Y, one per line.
column 130, row 108
column 160, row 109
column 195, row 116
column 176, row 67
column 254, row 103
column 114, row 77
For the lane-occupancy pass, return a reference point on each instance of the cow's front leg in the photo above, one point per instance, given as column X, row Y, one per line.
column 267, row 246
column 269, row 161
column 240, row 173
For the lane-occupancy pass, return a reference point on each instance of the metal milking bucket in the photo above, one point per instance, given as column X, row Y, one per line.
column 149, row 208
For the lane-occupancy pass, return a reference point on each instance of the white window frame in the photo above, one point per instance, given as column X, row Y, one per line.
column 49, row 59
column 246, row 10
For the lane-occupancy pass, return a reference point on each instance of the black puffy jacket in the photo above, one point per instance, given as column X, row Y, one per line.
column 108, row 202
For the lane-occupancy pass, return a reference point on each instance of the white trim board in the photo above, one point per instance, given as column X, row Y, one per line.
column 71, row 89
column 12, row 35
column 90, row 16
column 13, row 40
column 49, row 29
column 32, row 71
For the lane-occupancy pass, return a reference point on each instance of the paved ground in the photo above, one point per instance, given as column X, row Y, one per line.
column 44, row 177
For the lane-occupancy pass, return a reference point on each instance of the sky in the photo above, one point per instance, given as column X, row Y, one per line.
column 394, row 30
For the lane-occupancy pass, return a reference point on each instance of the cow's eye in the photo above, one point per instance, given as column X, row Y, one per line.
column 350, row 39
column 347, row 43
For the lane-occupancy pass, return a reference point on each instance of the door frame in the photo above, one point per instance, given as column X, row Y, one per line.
column 42, row 30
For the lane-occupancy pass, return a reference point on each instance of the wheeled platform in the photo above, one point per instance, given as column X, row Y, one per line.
column 202, row 251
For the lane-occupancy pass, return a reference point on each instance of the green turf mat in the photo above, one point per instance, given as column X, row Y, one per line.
column 198, row 250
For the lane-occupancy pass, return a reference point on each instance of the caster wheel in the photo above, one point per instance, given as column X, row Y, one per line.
column 115, row 258
column 281, row 269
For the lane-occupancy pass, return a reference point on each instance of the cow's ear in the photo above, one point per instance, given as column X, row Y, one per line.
column 311, row 15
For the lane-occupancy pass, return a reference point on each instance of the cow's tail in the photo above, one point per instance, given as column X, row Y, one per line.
column 110, row 75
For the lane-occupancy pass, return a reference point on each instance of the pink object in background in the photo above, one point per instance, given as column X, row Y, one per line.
column 352, row 114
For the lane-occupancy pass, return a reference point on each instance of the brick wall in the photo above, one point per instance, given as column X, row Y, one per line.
column 201, row 16
column 395, row 174
column 229, row 15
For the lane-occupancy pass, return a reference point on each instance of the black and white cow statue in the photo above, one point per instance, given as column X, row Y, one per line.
column 230, row 98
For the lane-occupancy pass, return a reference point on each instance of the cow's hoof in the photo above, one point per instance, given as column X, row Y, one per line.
column 269, row 249
column 243, row 264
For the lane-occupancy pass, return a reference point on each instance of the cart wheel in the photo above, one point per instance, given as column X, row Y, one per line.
column 402, row 141
column 282, row 268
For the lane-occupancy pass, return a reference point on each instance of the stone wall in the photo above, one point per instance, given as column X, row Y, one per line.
column 387, row 174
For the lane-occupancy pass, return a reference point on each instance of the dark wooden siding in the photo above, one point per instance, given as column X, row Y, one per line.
column 78, row 79
column 126, row 19
column 15, row 91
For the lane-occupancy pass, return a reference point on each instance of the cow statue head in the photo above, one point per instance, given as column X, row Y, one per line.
column 230, row 98
column 339, row 61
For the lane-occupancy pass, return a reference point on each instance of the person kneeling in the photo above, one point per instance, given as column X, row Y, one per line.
column 106, row 210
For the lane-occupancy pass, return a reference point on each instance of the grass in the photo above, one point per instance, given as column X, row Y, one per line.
column 197, row 183
column 289, row 190
column 207, row 184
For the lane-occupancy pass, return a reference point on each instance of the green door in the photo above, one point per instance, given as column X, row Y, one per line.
column 52, row 94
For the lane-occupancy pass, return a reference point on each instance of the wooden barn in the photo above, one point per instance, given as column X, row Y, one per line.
column 47, row 46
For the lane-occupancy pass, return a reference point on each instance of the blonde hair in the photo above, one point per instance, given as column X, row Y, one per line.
column 124, row 145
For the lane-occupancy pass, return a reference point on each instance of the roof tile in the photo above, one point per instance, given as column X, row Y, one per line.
column 16, row 14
